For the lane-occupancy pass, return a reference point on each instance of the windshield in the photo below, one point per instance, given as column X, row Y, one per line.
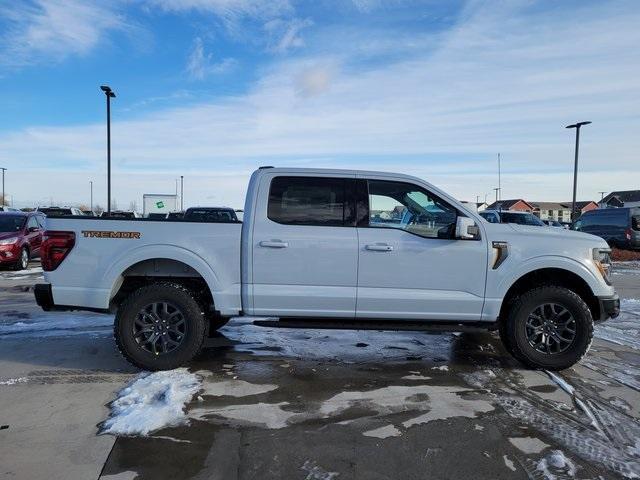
column 521, row 219
column 11, row 224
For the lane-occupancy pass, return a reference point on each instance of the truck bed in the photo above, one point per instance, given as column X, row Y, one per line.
column 105, row 248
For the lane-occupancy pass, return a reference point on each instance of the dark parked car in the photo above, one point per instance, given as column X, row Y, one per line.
column 211, row 214
column 59, row 211
column 510, row 216
column 20, row 238
column 553, row 223
column 120, row 214
column 620, row 227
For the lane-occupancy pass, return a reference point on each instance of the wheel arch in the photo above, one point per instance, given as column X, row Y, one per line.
column 160, row 263
column 558, row 276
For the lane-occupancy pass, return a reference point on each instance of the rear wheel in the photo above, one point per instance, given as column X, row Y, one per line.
column 548, row 327
column 23, row 260
column 160, row 326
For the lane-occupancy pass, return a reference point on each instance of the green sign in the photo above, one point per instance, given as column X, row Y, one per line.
column 160, row 204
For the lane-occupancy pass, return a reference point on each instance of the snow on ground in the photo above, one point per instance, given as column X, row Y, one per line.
column 625, row 329
column 12, row 275
column 556, row 465
column 53, row 324
column 152, row 401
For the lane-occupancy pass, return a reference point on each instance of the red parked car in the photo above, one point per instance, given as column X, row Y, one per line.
column 20, row 238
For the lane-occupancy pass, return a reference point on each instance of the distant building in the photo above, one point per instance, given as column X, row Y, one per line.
column 560, row 211
column 623, row 198
column 517, row 204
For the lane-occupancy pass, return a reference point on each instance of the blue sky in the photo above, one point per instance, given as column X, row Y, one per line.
column 210, row 89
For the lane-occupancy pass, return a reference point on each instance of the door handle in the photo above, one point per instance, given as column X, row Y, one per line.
column 379, row 247
column 274, row 244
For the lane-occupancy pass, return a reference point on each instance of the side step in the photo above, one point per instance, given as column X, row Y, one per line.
column 376, row 324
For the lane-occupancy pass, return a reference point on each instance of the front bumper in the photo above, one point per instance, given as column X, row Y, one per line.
column 9, row 253
column 609, row 307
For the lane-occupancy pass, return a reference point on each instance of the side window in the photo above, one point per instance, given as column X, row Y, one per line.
column 318, row 201
column 32, row 223
column 40, row 220
column 408, row 207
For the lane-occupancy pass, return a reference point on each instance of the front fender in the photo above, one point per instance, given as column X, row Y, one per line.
column 591, row 277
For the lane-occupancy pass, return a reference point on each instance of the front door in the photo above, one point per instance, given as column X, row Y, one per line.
column 410, row 264
column 305, row 247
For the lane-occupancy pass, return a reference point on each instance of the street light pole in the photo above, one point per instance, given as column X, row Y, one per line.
column 497, row 190
column 575, row 166
column 182, row 193
column 91, row 190
column 4, row 200
column 109, row 94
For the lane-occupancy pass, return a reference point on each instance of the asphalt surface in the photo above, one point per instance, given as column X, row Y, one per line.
column 307, row 404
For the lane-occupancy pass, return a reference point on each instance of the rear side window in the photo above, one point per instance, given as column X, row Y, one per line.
column 316, row 201
column 635, row 223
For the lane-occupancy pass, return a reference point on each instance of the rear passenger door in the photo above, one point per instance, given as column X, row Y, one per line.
column 305, row 247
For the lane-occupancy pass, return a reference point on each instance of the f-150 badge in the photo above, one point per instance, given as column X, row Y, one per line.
column 109, row 234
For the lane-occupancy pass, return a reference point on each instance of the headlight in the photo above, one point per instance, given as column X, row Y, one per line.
column 602, row 260
column 9, row 241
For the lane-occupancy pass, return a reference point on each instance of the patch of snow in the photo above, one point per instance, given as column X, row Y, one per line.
column 443, row 368
column 235, row 388
column 383, row 432
column 555, row 465
column 528, row 445
column 10, row 275
column 14, row 381
column 415, row 377
column 509, row 463
column 315, row 472
column 561, row 382
column 151, row 402
column 449, row 404
column 269, row 415
column 56, row 324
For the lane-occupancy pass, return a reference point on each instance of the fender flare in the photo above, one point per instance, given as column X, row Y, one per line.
column 113, row 275
column 550, row 261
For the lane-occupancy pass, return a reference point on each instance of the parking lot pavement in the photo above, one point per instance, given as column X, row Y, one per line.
column 274, row 403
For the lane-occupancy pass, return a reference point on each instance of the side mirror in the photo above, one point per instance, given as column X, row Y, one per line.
column 33, row 229
column 466, row 228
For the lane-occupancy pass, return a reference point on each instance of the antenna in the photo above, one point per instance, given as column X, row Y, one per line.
column 602, row 195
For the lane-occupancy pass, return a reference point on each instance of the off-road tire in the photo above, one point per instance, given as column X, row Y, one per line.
column 19, row 265
column 183, row 299
column 513, row 328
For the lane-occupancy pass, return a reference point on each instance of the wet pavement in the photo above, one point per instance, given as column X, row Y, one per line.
column 311, row 404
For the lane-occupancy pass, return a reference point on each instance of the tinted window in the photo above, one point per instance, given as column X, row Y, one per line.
column 211, row 215
column 308, row 201
column 408, row 207
column 56, row 211
column 40, row 220
column 521, row 219
column 489, row 217
column 635, row 223
column 11, row 224
column 32, row 223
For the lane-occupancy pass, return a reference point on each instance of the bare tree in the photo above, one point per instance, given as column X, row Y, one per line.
column 133, row 206
column 98, row 209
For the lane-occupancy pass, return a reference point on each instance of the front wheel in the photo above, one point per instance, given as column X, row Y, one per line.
column 160, row 326
column 548, row 327
column 23, row 260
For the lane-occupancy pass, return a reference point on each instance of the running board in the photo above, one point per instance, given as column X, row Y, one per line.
column 376, row 324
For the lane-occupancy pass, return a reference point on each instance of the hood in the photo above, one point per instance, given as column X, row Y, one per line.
column 544, row 234
column 4, row 235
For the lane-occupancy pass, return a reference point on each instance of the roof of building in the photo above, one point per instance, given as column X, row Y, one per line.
column 506, row 204
column 623, row 196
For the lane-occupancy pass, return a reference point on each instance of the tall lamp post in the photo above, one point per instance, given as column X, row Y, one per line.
column 4, row 199
column 91, row 194
column 182, row 193
column 575, row 166
column 109, row 94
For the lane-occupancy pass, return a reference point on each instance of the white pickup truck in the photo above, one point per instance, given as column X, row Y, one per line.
column 332, row 249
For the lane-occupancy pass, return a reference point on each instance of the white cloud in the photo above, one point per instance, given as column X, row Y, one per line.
column 229, row 10
column 285, row 34
column 201, row 65
column 504, row 79
column 52, row 30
